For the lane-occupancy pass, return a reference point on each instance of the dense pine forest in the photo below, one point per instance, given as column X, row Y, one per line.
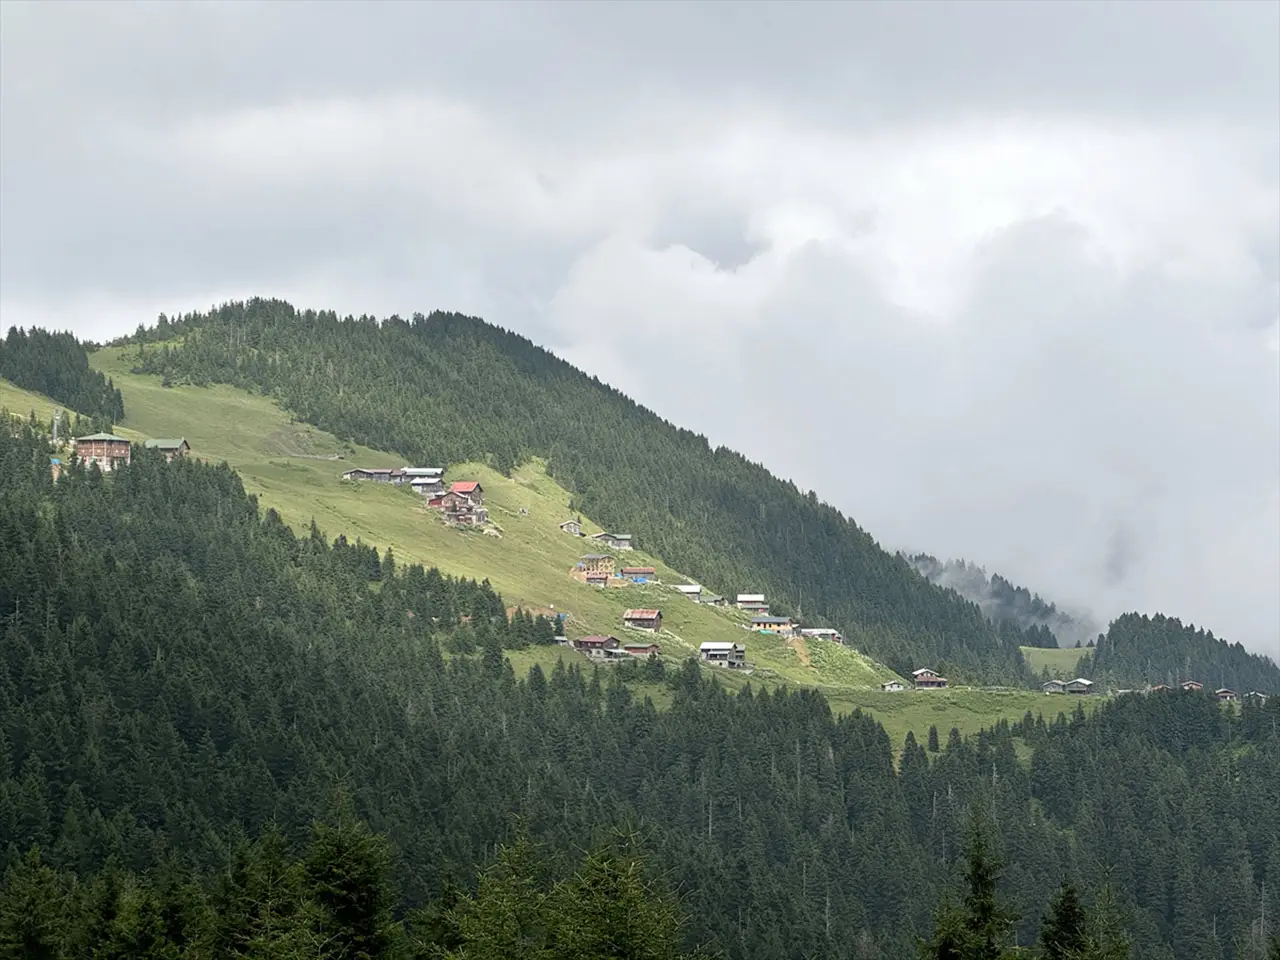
column 449, row 388
column 218, row 738
column 56, row 365
column 1042, row 624
column 1139, row 650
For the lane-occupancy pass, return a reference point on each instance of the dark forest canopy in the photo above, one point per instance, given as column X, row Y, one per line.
column 57, row 365
column 180, row 672
column 449, row 388
column 1138, row 650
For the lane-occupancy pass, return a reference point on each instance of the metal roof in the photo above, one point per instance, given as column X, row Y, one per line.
column 641, row 614
column 101, row 437
column 165, row 444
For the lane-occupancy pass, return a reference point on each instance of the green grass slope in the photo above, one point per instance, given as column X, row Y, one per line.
column 295, row 469
column 1060, row 661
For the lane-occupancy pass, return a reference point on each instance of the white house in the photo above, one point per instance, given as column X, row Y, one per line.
column 1078, row 686
column 822, row 633
column 1054, row 686
column 893, row 686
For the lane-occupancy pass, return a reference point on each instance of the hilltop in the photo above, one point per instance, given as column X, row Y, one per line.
column 454, row 389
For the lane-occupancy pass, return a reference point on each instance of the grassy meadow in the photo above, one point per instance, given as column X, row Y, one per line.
column 1061, row 662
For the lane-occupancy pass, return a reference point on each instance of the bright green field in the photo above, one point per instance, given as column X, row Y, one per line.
column 528, row 563
column 1061, row 661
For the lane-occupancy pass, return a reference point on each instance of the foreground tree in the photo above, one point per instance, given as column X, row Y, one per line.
column 980, row 930
column 1063, row 935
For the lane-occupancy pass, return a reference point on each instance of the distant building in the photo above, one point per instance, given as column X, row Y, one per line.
column 427, row 486
column 711, row 599
column 731, row 655
column 378, row 474
column 105, row 449
column 170, row 448
column 1192, row 686
column 893, row 686
column 463, row 503
column 1054, row 686
column 640, row 650
column 691, row 590
column 1259, row 698
column 572, row 527
column 615, row 541
column 638, row 574
column 926, row 679
column 1079, row 686
column 597, row 579
column 753, row 603
column 822, row 633
column 1225, row 695
column 596, row 646
column 771, row 624
column 597, row 563
column 643, row 620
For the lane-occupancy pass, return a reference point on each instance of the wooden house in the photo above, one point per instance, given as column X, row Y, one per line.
column 597, row 579
column 463, row 507
column 470, row 489
column 643, row 620
column 1225, row 695
column 597, row 646
column 711, row 599
column 753, row 603
column 926, row 679
column 691, row 590
column 638, row 574
column 105, row 449
column 615, row 541
column 377, row 474
column 731, row 655
column 1079, row 686
column 430, row 487
column 640, row 650
column 596, row 563
column 1256, row 697
column 1054, row 686
column 893, row 686
column 822, row 633
column 572, row 527
column 1192, row 686
column 170, row 448
column 781, row 625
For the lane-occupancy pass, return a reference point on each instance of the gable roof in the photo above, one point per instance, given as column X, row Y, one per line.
column 101, row 437
column 597, row 556
column 751, row 598
column 716, row 646
column 916, row 673
column 638, row 570
column 778, row 620
column 165, row 444
column 641, row 614
column 464, row 486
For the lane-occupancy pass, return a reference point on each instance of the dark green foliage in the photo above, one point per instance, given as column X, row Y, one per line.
column 1063, row 935
column 449, row 388
column 57, row 365
column 1139, row 650
column 179, row 671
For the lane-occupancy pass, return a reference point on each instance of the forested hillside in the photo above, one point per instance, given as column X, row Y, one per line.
column 56, row 365
column 179, row 670
column 1041, row 622
column 1139, row 649
column 448, row 388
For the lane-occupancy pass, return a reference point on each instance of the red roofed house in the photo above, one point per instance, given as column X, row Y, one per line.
column 638, row 573
column 463, row 503
column 641, row 649
column 643, row 619
column 926, row 679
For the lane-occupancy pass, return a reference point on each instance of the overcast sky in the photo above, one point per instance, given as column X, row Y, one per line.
column 1000, row 281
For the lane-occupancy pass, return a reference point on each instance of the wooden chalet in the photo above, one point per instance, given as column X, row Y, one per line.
column 598, row 563
column 753, row 603
column 431, row 487
column 711, row 599
column 640, row 650
column 643, row 620
column 572, row 527
column 463, row 504
column 638, row 574
column 1054, row 686
column 105, row 449
column 926, row 679
column 470, row 489
column 893, row 686
column 598, row 647
column 1226, row 696
column 691, row 590
column 376, row 474
column 170, row 448
column 615, row 541
column 772, row 624
column 1191, row 686
column 597, row 579
column 1257, row 697
column 731, row 655
column 1079, row 686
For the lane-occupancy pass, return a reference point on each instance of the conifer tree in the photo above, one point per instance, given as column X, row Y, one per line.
column 1063, row 935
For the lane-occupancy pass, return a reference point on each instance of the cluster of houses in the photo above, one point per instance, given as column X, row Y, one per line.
column 461, row 502
column 1222, row 694
column 609, row 649
column 601, row 570
column 1078, row 686
column 110, row 452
